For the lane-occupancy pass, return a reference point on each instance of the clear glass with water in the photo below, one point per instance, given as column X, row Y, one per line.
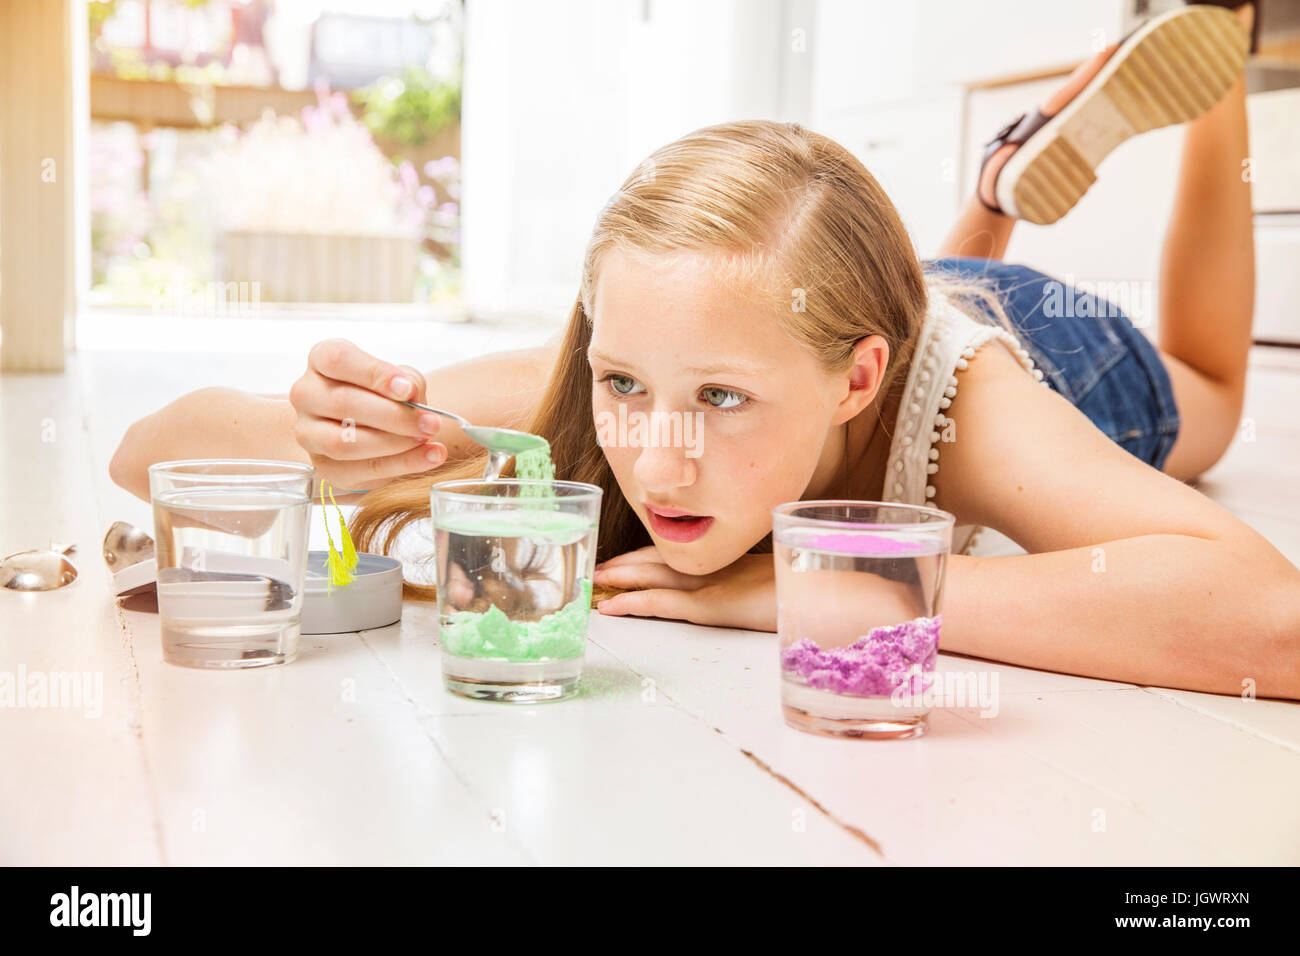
column 859, row 589
column 515, row 559
column 230, row 540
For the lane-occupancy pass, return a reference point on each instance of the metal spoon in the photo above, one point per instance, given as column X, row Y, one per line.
column 42, row 570
column 125, row 545
column 502, row 443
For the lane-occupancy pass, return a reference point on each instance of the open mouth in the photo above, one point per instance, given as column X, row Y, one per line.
column 680, row 527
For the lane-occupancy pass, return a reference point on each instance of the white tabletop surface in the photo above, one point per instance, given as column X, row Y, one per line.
column 675, row 752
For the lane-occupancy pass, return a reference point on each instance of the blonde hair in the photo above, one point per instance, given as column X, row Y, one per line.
column 788, row 216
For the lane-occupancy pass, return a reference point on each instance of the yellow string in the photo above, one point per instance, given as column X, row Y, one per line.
column 340, row 565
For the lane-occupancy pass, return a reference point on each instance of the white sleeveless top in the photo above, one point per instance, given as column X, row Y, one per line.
column 948, row 338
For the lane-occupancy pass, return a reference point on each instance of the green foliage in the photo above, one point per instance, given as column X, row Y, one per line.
column 98, row 11
column 409, row 109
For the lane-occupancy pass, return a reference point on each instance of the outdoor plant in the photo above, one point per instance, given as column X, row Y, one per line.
column 411, row 108
column 318, row 173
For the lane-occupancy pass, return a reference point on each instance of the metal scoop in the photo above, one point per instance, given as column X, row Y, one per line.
column 43, row 570
column 502, row 443
column 126, row 546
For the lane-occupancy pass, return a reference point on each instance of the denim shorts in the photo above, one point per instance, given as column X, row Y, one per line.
column 1089, row 352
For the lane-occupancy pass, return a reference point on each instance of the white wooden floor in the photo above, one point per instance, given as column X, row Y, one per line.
column 675, row 752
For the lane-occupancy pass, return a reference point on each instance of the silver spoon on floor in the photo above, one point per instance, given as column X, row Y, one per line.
column 502, row 443
column 126, row 546
column 41, row 570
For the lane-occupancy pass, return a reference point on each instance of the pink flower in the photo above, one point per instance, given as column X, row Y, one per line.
column 437, row 168
column 406, row 175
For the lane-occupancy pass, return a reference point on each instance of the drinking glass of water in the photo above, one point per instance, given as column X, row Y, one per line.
column 514, row 564
column 230, row 540
column 859, row 587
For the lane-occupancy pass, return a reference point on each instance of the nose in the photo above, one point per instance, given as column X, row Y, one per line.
column 662, row 466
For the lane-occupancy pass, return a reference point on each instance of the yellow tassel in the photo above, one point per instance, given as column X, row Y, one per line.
column 340, row 566
column 349, row 548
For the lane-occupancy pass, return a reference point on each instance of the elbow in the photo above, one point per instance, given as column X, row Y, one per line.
column 1278, row 655
column 121, row 466
column 126, row 467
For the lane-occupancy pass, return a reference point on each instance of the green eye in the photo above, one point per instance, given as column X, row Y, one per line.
column 614, row 381
column 723, row 393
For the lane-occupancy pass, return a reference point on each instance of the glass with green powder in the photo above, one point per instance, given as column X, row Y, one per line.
column 514, row 565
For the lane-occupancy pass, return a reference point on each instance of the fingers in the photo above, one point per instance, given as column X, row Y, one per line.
column 340, row 360
column 319, row 397
column 350, row 442
column 656, row 602
column 416, row 376
column 648, row 553
column 372, row 473
column 351, row 424
column 460, row 590
column 646, row 574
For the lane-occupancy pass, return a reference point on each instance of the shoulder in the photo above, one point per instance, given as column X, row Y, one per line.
column 1022, row 459
column 1001, row 418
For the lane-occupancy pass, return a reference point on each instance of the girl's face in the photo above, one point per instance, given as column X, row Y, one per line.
column 704, row 405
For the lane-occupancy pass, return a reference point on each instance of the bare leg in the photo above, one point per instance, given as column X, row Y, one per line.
column 979, row 232
column 1207, row 284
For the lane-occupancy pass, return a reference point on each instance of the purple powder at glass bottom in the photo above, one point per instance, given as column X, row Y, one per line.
column 873, row 665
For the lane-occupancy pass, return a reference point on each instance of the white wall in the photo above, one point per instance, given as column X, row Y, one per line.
column 890, row 82
column 561, row 102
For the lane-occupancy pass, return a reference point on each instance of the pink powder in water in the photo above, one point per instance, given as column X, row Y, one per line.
column 874, row 664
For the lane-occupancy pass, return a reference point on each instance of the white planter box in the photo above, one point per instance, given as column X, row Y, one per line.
column 293, row 267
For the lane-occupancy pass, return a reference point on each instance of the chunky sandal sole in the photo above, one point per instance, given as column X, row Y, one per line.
column 1171, row 70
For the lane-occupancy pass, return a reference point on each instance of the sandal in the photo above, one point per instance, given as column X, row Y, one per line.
column 1233, row 5
column 1167, row 70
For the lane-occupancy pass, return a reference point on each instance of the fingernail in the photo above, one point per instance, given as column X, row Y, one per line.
column 434, row 455
column 428, row 423
column 401, row 387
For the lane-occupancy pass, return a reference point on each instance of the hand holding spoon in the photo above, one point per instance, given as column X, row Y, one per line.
column 502, row 443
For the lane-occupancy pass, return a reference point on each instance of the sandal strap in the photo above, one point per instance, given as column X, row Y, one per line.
column 1017, row 131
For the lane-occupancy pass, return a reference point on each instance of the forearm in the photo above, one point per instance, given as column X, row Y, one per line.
column 1165, row 610
column 500, row 389
column 208, row 423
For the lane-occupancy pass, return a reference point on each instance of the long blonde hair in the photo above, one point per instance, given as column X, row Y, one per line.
column 786, row 213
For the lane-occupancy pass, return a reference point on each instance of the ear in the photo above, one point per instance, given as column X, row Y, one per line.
column 870, row 360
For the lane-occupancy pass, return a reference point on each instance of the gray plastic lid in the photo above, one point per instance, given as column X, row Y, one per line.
column 372, row 599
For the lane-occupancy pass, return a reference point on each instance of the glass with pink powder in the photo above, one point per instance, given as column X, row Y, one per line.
column 859, row 588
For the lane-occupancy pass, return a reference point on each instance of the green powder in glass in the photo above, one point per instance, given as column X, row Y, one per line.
column 535, row 464
column 554, row 527
column 491, row 634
